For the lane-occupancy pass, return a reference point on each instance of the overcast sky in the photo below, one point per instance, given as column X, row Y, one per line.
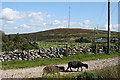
column 27, row 17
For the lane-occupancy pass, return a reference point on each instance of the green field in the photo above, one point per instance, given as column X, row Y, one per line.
column 47, row 45
column 15, row 64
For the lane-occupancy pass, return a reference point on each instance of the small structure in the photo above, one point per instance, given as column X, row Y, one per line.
column 115, row 40
column 101, row 40
column 118, row 40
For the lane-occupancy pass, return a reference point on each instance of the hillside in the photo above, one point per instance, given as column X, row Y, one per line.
column 65, row 34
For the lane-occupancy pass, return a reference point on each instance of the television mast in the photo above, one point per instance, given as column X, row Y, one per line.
column 69, row 18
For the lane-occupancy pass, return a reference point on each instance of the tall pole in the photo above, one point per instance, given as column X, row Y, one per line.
column 69, row 18
column 119, row 25
column 108, row 27
column 69, row 22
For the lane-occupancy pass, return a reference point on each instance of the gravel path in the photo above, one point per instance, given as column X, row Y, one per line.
column 37, row 71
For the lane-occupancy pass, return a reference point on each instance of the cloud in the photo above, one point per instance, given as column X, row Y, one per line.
column 62, row 23
column 9, row 22
column 24, row 26
column 44, row 24
column 76, row 24
column 11, row 15
column 49, row 16
column 57, row 22
column 38, row 19
column 112, row 27
column 86, row 22
column 15, row 28
column 115, row 26
column 31, row 18
column 60, row 27
column 27, row 21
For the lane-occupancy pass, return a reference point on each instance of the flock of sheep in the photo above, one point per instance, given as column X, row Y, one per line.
column 56, row 69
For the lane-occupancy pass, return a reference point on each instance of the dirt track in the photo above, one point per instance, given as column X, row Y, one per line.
column 37, row 71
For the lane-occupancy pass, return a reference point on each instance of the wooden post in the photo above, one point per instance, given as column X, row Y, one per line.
column 119, row 25
column 108, row 44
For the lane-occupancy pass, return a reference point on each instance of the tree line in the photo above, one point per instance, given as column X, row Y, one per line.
column 10, row 43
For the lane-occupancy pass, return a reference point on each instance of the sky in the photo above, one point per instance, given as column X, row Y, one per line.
column 28, row 17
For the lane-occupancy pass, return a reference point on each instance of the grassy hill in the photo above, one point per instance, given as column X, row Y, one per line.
column 66, row 34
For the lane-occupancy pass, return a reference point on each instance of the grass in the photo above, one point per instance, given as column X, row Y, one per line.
column 111, row 72
column 105, row 73
column 15, row 64
column 47, row 45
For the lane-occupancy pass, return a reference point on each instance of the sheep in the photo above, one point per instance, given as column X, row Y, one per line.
column 61, row 68
column 76, row 64
column 51, row 70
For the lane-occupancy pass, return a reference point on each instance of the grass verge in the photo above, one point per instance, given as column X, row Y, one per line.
column 15, row 64
column 107, row 73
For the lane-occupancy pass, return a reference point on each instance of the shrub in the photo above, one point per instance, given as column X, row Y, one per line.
column 106, row 74
column 82, row 40
column 19, row 43
column 86, row 76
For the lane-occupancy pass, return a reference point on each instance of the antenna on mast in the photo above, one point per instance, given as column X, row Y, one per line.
column 69, row 18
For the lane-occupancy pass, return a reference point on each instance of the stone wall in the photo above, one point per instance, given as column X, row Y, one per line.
column 51, row 53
